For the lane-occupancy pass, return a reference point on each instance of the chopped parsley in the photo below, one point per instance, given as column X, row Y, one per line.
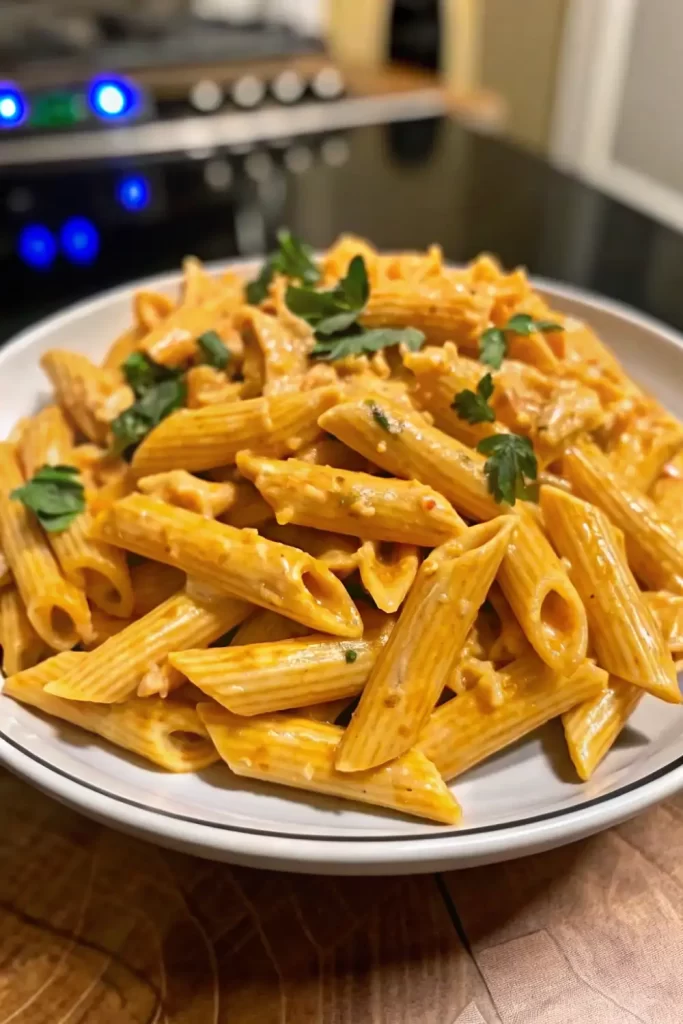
column 55, row 494
column 381, row 418
column 153, row 406
column 293, row 258
column 213, row 351
column 351, row 657
column 510, row 466
column 493, row 343
column 334, row 315
column 473, row 406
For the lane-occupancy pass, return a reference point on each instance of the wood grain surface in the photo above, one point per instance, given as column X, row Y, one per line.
column 98, row 928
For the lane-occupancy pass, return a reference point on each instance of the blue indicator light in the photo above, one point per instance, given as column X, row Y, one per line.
column 37, row 246
column 80, row 240
column 113, row 99
column 134, row 193
column 13, row 106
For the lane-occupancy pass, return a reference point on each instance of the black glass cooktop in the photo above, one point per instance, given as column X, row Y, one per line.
column 68, row 232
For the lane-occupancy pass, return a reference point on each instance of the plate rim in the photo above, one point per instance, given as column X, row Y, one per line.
column 419, row 852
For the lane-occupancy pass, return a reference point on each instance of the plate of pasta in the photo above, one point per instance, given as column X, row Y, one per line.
column 344, row 561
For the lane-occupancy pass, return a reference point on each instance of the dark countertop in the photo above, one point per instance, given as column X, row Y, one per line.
column 401, row 185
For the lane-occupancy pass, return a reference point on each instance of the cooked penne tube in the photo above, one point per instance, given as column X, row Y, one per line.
column 328, row 451
column 509, row 641
column 103, row 626
column 154, row 583
column 644, row 448
column 180, row 488
column 369, row 507
column 388, row 572
column 5, row 571
column 266, row 627
column 300, row 753
column 198, row 439
column 208, row 386
column 98, row 569
column 443, row 311
column 469, row 728
column 667, row 494
column 21, row 646
column 423, row 649
column 57, row 610
column 239, row 563
column 543, row 598
column 328, row 712
column 150, row 308
column 591, row 728
column 113, row 671
column 255, row 679
column 122, row 347
column 167, row 733
column 46, row 440
column 668, row 611
column 414, row 450
column 249, row 509
column 626, row 637
column 92, row 396
column 654, row 551
column 338, row 552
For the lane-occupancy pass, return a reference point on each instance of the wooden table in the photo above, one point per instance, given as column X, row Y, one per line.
column 97, row 928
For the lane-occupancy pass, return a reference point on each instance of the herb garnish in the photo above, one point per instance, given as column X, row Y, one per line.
column 334, row 316
column 493, row 344
column 213, row 350
column 351, row 657
column 511, row 463
column 134, row 423
column 293, row 258
column 55, row 494
column 381, row 418
column 473, row 406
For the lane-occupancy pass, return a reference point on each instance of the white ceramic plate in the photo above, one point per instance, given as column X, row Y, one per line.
column 521, row 801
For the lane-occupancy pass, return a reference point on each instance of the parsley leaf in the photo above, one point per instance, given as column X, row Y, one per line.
column 492, row 347
column 134, row 423
column 350, row 656
column 381, row 419
column 368, row 341
column 142, row 373
column 293, row 258
column 214, row 353
column 55, row 494
column 473, row 406
column 511, row 463
column 336, row 309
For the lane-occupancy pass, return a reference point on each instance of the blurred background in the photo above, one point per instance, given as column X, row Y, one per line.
column 134, row 131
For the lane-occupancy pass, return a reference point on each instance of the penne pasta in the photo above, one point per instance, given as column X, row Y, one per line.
column 469, row 728
column 114, row 671
column 93, row 396
column 286, row 579
column 591, row 727
column 103, row 626
column 328, row 451
column 198, row 439
column 422, row 652
column 122, row 347
column 46, row 440
column 275, row 357
column 266, row 627
column 5, row 572
column 338, row 552
column 388, row 572
column 443, row 312
column 173, row 341
column 154, row 583
column 545, row 602
column 653, row 550
column 668, row 611
column 170, row 734
column 98, row 569
column 21, row 646
column 369, row 507
column 508, row 641
column 300, row 753
column 328, row 712
column 258, row 678
column 57, row 610
column 626, row 637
